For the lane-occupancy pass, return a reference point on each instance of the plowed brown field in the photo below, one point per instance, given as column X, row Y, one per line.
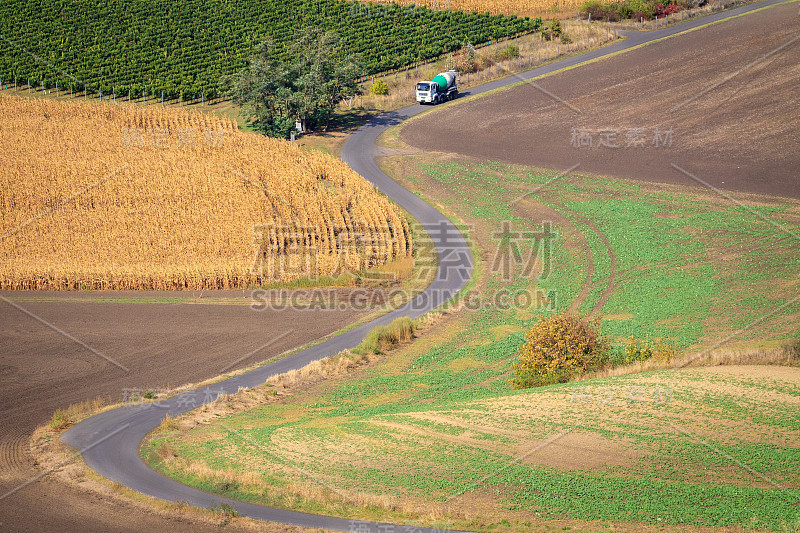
column 728, row 93
column 162, row 344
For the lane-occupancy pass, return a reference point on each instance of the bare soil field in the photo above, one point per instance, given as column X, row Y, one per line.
column 161, row 344
column 719, row 103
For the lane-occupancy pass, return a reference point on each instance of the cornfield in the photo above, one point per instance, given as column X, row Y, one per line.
column 123, row 197
column 523, row 8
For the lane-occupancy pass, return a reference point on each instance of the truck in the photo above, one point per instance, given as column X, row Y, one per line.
column 441, row 88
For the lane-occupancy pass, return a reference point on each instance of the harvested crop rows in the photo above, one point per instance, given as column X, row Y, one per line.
column 166, row 199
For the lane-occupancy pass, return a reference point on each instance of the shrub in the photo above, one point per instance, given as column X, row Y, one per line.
column 386, row 337
column 380, row 88
column 555, row 28
column 664, row 10
column 552, row 31
column 565, row 39
column 623, row 10
column 227, row 510
column 60, row 420
column 595, row 8
column 557, row 348
column 647, row 348
column 462, row 60
column 645, row 9
column 509, row 52
column 612, row 14
column 484, row 62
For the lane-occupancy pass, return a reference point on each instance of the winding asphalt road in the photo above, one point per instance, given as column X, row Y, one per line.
column 109, row 441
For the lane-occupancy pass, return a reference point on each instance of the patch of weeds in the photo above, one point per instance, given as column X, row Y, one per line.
column 225, row 510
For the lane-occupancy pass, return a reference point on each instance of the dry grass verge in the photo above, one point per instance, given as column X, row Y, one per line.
column 380, row 340
column 786, row 355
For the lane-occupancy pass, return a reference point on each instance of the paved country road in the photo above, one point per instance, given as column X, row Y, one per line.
column 109, row 441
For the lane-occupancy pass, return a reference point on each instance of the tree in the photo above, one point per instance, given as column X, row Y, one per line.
column 307, row 88
column 263, row 88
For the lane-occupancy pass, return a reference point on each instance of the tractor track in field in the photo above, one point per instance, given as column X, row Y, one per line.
column 612, row 284
column 588, row 285
column 109, row 441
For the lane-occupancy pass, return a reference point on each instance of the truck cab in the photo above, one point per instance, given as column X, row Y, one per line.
column 427, row 92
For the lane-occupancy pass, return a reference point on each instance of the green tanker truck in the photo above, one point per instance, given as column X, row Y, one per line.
column 441, row 88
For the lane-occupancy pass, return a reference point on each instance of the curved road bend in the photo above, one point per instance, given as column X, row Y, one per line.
column 109, row 441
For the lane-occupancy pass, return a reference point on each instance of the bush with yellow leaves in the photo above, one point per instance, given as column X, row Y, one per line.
column 558, row 348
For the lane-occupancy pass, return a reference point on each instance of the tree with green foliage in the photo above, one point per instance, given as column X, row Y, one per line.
column 275, row 93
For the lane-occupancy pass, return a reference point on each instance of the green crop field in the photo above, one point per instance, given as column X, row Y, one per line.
column 437, row 425
column 183, row 48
